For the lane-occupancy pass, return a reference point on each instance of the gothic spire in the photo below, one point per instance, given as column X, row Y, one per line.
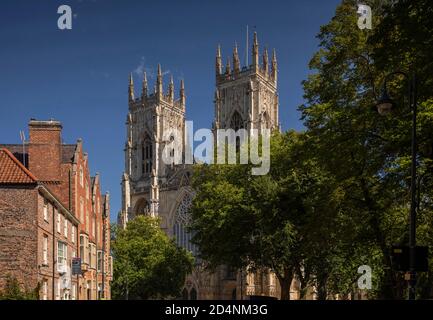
column 228, row 68
column 266, row 61
column 171, row 89
column 144, row 92
column 255, row 51
column 218, row 63
column 159, row 80
column 182, row 92
column 236, row 62
column 131, row 88
column 274, row 65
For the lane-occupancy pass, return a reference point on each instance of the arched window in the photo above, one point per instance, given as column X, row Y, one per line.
column 236, row 122
column 147, row 156
column 182, row 220
column 142, row 207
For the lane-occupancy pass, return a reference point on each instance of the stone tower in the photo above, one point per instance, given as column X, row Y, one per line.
column 246, row 97
column 151, row 117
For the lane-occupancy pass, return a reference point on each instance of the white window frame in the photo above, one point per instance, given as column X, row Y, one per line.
column 45, row 250
column 46, row 204
column 83, row 246
column 65, row 227
column 58, row 222
column 73, row 233
column 45, row 290
column 62, row 259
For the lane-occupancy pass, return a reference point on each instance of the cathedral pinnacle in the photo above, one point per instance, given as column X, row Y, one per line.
column 228, row 68
column 159, row 80
column 266, row 61
column 171, row 88
column 274, row 65
column 182, row 92
column 218, row 63
column 144, row 92
column 255, row 51
column 236, row 62
column 131, row 88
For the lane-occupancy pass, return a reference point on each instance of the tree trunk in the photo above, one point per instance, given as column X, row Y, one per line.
column 285, row 283
column 285, row 289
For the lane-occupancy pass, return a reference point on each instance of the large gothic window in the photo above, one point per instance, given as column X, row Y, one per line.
column 142, row 207
column 181, row 222
column 147, row 155
column 236, row 122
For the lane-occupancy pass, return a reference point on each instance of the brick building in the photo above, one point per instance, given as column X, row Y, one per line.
column 38, row 235
column 64, row 169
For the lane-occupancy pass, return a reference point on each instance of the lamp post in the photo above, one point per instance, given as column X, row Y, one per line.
column 385, row 106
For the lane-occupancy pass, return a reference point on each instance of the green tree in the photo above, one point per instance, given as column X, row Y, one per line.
column 13, row 291
column 148, row 264
column 368, row 155
column 262, row 222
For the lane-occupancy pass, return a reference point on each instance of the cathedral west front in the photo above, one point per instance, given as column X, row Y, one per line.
column 246, row 97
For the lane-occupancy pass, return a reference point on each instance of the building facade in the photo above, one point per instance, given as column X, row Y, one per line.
column 64, row 170
column 245, row 97
column 38, row 235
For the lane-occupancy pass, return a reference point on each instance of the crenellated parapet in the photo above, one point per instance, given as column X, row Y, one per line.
column 149, row 98
column 266, row 70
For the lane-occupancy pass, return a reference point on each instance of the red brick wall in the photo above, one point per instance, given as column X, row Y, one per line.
column 45, row 150
column 18, row 235
column 45, row 228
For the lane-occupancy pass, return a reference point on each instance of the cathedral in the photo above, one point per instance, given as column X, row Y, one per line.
column 245, row 97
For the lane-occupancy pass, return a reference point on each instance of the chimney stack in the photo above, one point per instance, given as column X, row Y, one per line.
column 45, row 149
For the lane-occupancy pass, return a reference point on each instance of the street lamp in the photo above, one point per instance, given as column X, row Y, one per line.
column 385, row 106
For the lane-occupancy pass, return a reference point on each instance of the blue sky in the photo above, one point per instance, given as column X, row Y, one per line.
column 80, row 76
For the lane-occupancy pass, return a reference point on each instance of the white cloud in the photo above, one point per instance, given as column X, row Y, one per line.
column 150, row 71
